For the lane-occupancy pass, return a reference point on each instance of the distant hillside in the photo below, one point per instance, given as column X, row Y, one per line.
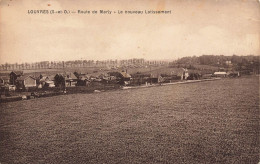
column 214, row 62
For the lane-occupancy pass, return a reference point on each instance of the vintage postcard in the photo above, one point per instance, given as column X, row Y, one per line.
column 133, row 81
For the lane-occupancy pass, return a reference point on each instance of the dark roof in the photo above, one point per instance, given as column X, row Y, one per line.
column 17, row 72
column 67, row 75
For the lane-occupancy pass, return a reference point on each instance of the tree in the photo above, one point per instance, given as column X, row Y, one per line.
column 59, row 81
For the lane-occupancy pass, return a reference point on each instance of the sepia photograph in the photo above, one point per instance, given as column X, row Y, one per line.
column 129, row 82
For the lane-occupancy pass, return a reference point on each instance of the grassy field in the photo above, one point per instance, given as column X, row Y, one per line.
column 207, row 122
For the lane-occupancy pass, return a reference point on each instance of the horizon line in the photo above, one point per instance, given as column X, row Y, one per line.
column 113, row 59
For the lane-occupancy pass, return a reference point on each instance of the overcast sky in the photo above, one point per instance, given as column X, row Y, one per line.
column 194, row 27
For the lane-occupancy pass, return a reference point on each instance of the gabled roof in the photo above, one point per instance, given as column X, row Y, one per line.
column 67, row 75
column 22, row 78
column 17, row 72
column 125, row 75
column 178, row 71
column 44, row 79
column 47, row 77
column 71, row 75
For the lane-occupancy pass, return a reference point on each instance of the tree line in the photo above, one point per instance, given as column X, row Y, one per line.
column 237, row 63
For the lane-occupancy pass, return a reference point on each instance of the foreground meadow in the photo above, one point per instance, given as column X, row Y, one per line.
column 206, row 122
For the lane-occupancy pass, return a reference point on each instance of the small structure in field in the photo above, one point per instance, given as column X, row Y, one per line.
column 140, row 78
column 220, row 74
column 68, row 79
column 177, row 74
column 8, row 87
column 207, row 76
column 14, row 75
column 26, row 82
column 83, row 79
column 233, row 74
column 126, row 77
column 71, row 79
column 24, row 97
column 46, row 81
column 4, row 80
column 119, row 77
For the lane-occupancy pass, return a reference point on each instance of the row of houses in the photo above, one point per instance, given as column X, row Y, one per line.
column 68, row 79
column 20, row 81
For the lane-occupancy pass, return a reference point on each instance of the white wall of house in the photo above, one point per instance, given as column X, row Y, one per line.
column 29, row 82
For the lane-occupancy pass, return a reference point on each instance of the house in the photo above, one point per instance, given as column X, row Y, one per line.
column 69, row 79
column 5, row 88
column 126, row 77
column 83, row 77
column 233, row 74
column 229, row 63
column 116, row 77
column 177, row 73
column 92, row 78
column 26, row 82
column 46, row 81
column 165, row 78
column 83, row 80
column 14, row 75
column 106, row 77
column 194, row 76
column 4, row 80
column 207, row 76
column 140, row 78
column 220, row 74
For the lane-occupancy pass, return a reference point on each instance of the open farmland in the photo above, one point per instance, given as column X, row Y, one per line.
column 207, row 122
